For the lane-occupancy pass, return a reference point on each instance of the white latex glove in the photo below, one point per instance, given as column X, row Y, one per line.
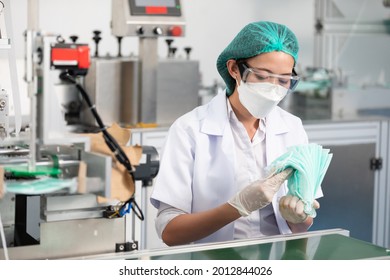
column 259, row 193
column 291, row 209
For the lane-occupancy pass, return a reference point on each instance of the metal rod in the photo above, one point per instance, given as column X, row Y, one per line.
column 33, row 15
column 144, row 205
column 32, row 28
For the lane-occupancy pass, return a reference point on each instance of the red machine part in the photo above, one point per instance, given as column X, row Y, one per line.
column 175, row 31
column 156, row 10
column 63, row 55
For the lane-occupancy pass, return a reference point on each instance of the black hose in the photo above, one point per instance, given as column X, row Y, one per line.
column 109, row 139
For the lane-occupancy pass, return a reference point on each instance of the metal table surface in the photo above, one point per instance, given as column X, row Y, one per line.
column 333, row 244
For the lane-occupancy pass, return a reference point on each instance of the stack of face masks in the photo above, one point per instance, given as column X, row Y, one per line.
column 310, row 163
column 41, row 186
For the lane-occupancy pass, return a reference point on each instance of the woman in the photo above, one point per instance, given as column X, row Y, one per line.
column 211, row 184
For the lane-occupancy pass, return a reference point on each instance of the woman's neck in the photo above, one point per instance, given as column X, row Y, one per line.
column 250, row 123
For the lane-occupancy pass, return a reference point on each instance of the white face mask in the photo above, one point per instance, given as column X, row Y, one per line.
column 260, row 98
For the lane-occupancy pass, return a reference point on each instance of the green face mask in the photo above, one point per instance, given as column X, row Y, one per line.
column 310, row 163
column 41, row 186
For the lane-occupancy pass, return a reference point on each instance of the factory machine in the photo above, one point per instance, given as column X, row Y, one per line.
column 138, row 89
column 349, row 86
column 67, row 179
column 350, row 75
column 63, row 193
column 68, row 187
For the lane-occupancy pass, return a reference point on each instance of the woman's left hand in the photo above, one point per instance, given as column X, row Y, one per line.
column 291, row 209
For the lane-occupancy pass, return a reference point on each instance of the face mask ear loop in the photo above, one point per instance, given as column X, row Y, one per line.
column 237, row 83
column 241, row 70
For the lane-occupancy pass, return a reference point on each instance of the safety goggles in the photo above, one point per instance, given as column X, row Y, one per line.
column 254, row 75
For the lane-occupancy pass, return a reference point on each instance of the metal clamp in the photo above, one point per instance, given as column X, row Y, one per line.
column 126, row 247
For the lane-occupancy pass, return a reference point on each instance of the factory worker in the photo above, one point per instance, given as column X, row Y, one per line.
column 211, row 185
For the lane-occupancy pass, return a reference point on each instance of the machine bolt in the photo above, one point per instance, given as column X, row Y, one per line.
column 157, row 31
column 73, row 38
column 3, row 103
column 97, row 39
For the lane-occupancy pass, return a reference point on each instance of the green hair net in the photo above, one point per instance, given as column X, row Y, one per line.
column 254, row 39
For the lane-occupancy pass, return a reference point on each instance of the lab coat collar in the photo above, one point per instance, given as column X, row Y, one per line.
column 216, row 117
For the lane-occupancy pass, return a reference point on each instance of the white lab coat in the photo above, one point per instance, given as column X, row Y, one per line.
column 197, row 168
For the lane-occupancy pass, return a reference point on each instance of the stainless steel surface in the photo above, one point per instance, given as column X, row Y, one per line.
column 130, row 100
column 115, row 87
column 71, row 207
column 98, row 166
column 148, row 87
column 75, row 238
column 13, row 151
column 112, row 84
column 349, row 192
column 178, row 85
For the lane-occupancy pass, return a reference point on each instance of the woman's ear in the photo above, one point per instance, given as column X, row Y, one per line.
column 232, row 67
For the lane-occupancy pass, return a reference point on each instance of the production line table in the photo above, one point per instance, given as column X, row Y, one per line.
column 333, row 244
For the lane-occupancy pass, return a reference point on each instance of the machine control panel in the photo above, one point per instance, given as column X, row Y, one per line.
column 155, row 7
column 147, row 18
